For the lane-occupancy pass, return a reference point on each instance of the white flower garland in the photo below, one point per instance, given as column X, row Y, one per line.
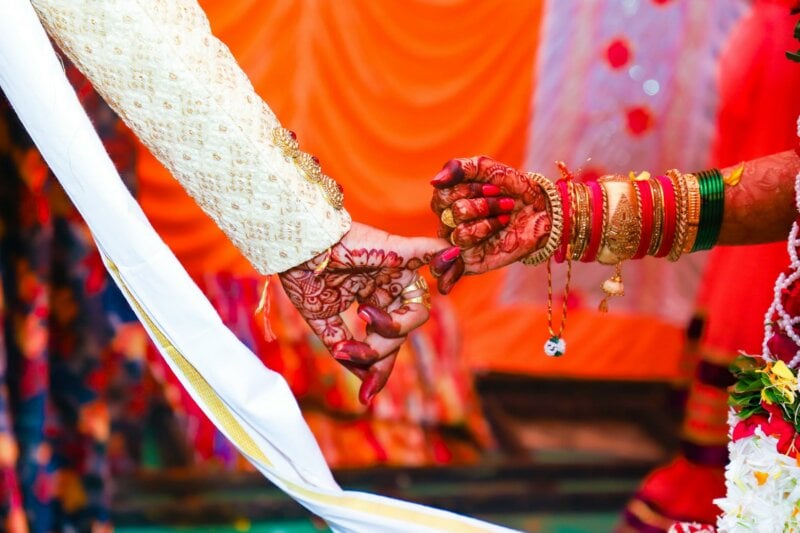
column 763, row 485
column 763, row 488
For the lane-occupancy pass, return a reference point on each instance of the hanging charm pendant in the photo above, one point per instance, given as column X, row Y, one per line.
column 613, row 286
column 555, row 346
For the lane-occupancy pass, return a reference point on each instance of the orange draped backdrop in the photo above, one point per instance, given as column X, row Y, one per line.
column 383, row 93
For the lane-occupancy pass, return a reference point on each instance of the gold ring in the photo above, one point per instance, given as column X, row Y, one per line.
column 424, row 299
column 447, row 218
column 452, row 238
column 418, row 284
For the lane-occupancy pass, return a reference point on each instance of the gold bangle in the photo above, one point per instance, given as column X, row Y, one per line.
column 573, row 215
column 584, row 215
column 681, row 201
column 604, row 224
column 658, row 217
column 556, row 221
column 639, row 214
column 693, row 211
column 620, row 225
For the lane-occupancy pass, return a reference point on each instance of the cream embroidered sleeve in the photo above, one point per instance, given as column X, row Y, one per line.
column 182, row 92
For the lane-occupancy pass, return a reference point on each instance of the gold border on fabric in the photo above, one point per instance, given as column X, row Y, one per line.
column 245, row 442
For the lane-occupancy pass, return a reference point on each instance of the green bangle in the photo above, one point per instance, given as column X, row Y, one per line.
column 712, row 194
column 719, row 198
column 706, row 207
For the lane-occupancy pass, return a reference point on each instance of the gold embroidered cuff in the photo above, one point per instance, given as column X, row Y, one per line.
column 308, row 164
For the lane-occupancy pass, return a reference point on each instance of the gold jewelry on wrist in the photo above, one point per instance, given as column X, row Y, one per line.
column 556, row 221
column 693, row 211
column 604, row 226
column 573, row 216
column 681, row 201
column 658, row 217
column 622, row 227
column 583, row 216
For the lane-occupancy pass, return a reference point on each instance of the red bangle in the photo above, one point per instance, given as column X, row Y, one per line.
column 670, row 216
column 596, row 233
column 563, row 190
column 646, row 211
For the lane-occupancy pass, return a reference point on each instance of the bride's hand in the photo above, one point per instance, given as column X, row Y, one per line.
column 379, row 271
column 499, row 216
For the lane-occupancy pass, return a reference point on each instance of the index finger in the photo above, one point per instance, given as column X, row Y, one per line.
column 482, row 169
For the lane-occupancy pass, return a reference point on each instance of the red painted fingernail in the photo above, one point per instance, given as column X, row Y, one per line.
column 342, row 356
column 442, row 176
column 367, row 392
column 504, row 219
column 365, row 316
column 490, row 190
column 450, row 254
column 506, row 204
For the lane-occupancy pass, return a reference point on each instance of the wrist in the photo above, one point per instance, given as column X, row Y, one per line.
column 554, row 210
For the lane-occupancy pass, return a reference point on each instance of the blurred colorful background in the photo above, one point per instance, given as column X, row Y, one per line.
column 95, row 430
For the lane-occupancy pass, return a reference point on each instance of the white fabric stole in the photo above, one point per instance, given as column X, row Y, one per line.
column 251, row 405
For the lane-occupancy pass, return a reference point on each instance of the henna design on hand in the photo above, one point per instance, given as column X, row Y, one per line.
column 369, row 267
column 491, row 240
column 374, row 276
column 761, row 207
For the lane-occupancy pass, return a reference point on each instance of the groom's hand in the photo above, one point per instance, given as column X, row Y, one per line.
column 378, row 271
column 496, row 216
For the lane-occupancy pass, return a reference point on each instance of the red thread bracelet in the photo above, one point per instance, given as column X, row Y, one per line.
column 670, row 215
column 646, row 210
column 561, row 252
column 596, row 233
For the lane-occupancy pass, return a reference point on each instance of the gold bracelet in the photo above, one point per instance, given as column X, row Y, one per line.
column 573, row 216
column 622, row 227
column 639, row 213
column 681, row 201
column 693, row 211
column 604, row 225
column 658, row 217
column 583, row 211
column 556, row 221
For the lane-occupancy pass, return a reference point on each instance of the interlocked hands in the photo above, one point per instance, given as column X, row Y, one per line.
column 379, row 272
column 494, row 216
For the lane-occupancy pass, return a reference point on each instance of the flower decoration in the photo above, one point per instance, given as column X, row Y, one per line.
column 782, row 386
column 766, row 397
